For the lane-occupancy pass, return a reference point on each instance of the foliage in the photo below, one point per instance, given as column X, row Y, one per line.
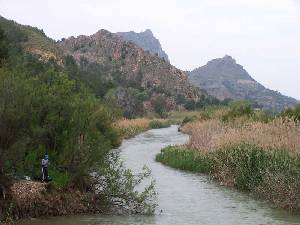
column 119, row 186
column 156, row 124
column 131, row 101
column 43, row 110
column 292, row 113
column 91, row 74
column 254, row 151
column 238, row 109
column 245, row 166
column 189, row 160
column 159, row 104
column 3, row 46
column 204, row 102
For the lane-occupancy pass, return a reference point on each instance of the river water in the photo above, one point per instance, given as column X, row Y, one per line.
column 183, row 198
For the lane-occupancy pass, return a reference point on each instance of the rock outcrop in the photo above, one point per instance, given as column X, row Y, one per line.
column 145, row 40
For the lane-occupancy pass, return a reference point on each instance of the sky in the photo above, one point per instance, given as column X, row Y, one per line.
column 262, row 35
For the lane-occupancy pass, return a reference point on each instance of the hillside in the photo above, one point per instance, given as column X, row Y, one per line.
column 224, row 78
column 145, row 40
column 139, row 81
column 32, row 40
column 133, row 68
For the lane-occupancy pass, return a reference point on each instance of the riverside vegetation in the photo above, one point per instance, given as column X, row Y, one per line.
column 254, row 151
column 54, row 98
column 131, row 127
column 47, row 107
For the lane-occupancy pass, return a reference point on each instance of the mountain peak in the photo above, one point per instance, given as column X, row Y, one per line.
column 148, row 31
column 224, row 78
column 145, row 40
column 228, row 58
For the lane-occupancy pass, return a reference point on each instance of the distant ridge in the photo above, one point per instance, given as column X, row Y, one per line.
column 224, row 78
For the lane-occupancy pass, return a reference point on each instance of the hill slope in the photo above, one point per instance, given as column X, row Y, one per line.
column 145, row 40
column 139, row 81
column 224, row 78
column 132, row 67
column 32, row 40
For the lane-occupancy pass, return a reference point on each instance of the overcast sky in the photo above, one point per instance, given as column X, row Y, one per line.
column 262, row 35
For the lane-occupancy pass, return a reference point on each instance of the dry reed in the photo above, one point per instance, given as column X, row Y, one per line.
column 132, row 127
column 214, row 134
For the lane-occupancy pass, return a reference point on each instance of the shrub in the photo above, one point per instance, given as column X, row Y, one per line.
column 238, row 109
column 60, row 179
column 118, row 186
column 156, row 124
column 292, row 113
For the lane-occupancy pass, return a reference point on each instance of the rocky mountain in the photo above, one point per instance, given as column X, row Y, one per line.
column 224, row 78
column 145, row 40
column 109, row 65
column 133, row 68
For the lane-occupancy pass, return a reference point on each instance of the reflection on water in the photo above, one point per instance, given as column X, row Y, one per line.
column 184, row 198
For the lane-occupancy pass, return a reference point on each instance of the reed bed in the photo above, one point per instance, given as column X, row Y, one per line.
column 131, row 127
column 259, row 157
column 214, row 134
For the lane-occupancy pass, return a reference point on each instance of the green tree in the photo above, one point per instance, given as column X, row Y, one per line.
column 159, row 104
column 3, row 46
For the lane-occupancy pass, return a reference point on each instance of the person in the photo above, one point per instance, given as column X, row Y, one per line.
column 45, row 162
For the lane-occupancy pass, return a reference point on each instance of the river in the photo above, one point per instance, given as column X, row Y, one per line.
column 184, row 198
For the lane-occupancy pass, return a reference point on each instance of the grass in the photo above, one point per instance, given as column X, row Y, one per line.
column 214, row 134
column 273, row 175
column 184, row 159
column 131, row 127
column 254, row 151
column 157, row 124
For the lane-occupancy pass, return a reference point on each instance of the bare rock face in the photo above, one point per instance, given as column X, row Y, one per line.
column 129, row 63
column 224, row 78
column 146, row 41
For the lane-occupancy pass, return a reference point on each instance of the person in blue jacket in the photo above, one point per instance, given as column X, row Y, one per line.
column 45, row 162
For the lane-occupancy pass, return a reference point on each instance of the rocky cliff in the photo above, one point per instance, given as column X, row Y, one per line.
column 132, row 67
column 224, row 78
column 145, row 40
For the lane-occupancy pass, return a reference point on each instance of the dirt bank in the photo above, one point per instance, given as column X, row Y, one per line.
column 28, row 199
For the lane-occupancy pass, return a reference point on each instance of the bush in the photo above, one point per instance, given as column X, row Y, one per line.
column 48, row 113
column 118, row 186
column 292, row 113
column 238, row 109
column 189, row 119
column 156, row 124
column 60, row 179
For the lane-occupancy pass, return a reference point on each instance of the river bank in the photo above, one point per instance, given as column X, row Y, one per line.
column 182, row 198
column 29, row 199
column 253, row 153
column 26, row 199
